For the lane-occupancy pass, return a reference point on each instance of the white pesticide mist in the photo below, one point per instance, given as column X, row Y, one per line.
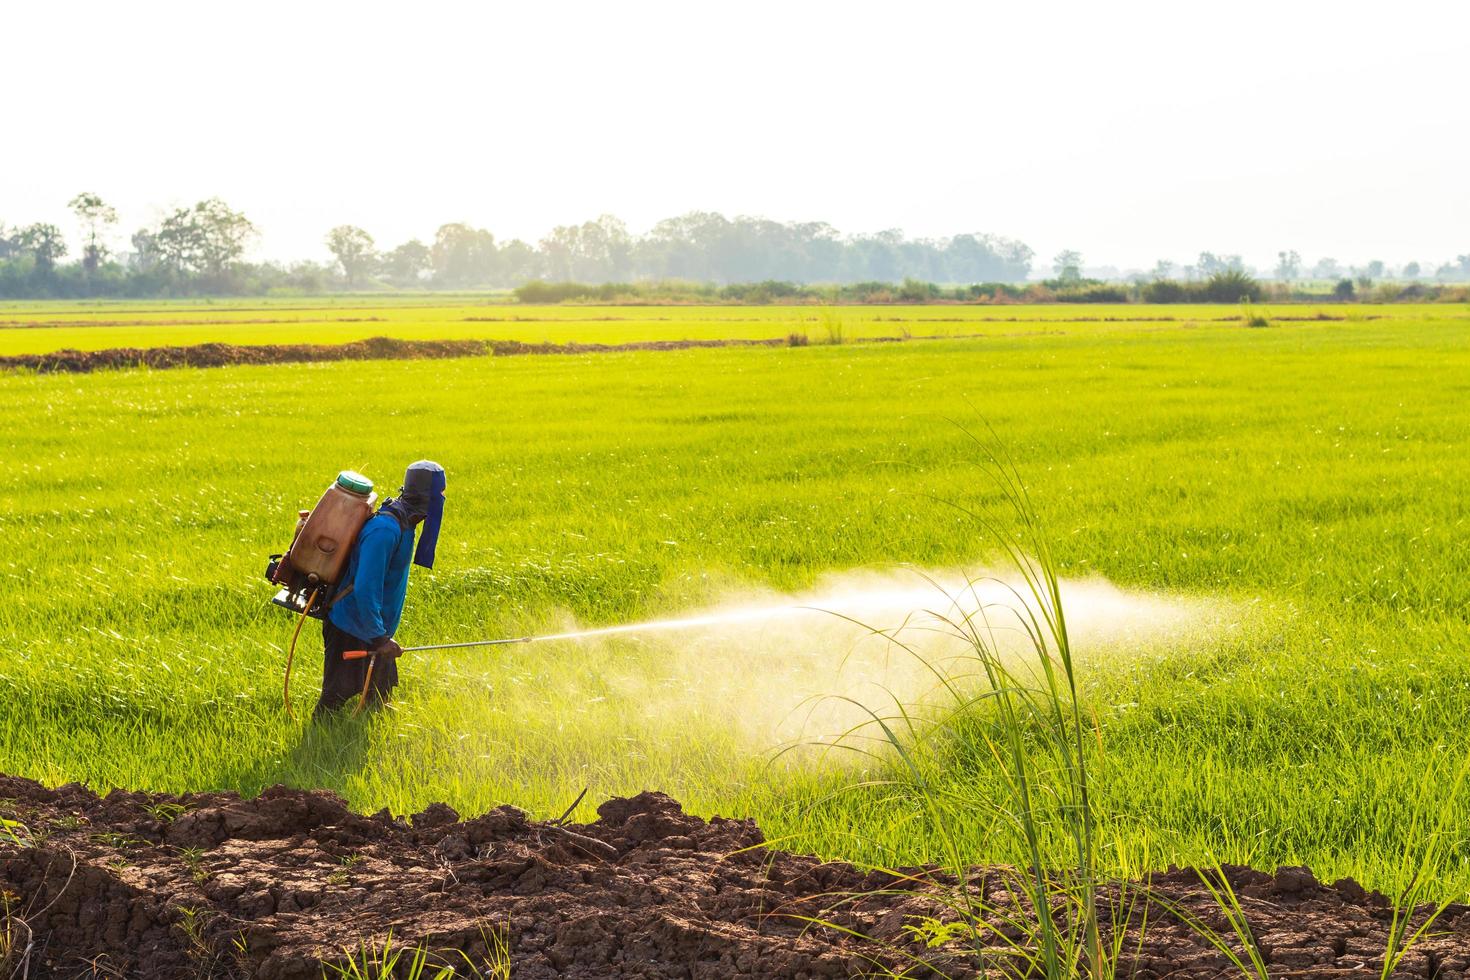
column 783, row 669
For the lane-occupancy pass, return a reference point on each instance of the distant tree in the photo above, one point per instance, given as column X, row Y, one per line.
column 559, row 251
column 407, row 263
column 1288, row 265
column 1374, row 269
column 685, row 247
column 1067, row 265
column 354, row 251
column 208, row 238
column 982, row 258
column 9, row 245
column 44, row 243
column 593, row 251
column 607, row 243
column 1411, row 271
column 176, row 242
column 1163, row 269
column 94, row 215
column 224, row 234
column 1326, row 268
column 1463, row 261
column 463, row 256
column 519, row 262
column 874, row 257
column 1344, row 290
column 147, row 255
column 1210, row 264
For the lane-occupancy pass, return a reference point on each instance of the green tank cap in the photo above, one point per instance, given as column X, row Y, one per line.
column 356, row 482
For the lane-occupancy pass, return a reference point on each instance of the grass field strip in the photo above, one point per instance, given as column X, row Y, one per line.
column 41, row 328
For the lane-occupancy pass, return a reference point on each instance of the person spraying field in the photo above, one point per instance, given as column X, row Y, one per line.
column 350, row 567
column 366, row 612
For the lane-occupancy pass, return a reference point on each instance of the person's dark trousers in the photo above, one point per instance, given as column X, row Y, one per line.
column 343, row 679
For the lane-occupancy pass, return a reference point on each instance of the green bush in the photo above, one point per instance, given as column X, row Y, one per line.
column 1230, row 286
column 768, row 291
column 1166, row 291
column 537, row 291
column 1097, row 293
column 914, row 291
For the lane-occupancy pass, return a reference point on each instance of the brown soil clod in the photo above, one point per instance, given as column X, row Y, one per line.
column 140, row 885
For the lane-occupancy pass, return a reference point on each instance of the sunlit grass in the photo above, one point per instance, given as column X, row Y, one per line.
column 1316, row 470
column 32, row 328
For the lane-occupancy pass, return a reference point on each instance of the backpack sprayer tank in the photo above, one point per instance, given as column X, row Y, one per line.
column 311, row 569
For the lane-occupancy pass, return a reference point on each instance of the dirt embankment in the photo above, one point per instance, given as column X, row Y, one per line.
column 372, row 349
column 45, row 324
column 136, row 885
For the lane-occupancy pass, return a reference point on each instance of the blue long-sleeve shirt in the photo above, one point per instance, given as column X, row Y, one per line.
column 378, row 575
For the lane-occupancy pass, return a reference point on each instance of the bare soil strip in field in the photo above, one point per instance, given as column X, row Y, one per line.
column 44, row 324
column 209, row 884
column 223, row 355
column 373, row 349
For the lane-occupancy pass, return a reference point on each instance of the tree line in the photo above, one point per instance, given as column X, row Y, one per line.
column 201, row 250
column 197, row 249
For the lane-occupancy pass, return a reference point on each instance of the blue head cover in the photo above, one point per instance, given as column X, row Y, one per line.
column 423, row 490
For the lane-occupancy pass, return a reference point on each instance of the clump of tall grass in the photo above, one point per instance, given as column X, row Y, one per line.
column 392, row 961
column 832, row 325
column 1433, row 838
column 1036, row 745
column 1250, row 318
column 15, row 937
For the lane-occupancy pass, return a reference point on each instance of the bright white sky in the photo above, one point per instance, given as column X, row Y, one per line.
column 1129, row 130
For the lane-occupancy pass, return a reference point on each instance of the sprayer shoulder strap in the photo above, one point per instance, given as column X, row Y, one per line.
column 352, row 585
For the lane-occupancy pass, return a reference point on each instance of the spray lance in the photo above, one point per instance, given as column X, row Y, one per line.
column 649, row 626
column 367, row 681
column 506, row 641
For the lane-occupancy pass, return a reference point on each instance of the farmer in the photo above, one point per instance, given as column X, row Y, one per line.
column 365, row 615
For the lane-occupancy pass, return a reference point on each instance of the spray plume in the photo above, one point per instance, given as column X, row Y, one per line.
column 780, row 667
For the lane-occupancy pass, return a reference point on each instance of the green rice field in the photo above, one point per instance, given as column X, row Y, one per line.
column 1303, row 484
column 36, row 328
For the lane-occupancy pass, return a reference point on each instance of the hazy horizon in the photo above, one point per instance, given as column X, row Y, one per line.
column 1130, row 132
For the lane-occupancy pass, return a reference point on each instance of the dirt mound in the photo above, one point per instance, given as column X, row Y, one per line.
column 372, row 349
column 220, row 355
column 163, row 886
column 175, row 322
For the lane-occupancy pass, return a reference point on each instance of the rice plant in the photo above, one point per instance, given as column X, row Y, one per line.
column 832, row 325
column 394, row 961
column 1438, row 835
column 1026, row 712
column 15, row 937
